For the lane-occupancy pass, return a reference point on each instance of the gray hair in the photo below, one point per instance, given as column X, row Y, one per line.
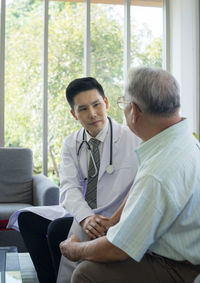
column 155, row 91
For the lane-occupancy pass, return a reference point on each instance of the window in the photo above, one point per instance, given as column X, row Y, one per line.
column 23, row 61
column 65, row 63
column 146, row 36
column 107, row 52
column 95, row 43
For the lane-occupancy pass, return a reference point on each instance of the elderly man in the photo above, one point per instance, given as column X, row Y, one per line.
column 157, row 238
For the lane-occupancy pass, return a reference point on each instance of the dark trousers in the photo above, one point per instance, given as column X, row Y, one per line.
column 42, row 238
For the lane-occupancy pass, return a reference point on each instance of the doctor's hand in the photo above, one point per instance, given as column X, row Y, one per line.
column 94, row 226
column 107, row 223
column 70, row 248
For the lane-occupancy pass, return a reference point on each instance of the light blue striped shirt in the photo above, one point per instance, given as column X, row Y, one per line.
column 162, row 213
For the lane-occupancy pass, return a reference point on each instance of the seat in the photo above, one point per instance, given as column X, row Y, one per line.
column 197, row 279
column 19, row 188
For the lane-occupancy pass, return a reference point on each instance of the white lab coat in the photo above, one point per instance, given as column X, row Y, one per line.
column 111, row 188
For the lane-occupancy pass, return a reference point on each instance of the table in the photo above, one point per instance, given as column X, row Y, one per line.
column 9, row 265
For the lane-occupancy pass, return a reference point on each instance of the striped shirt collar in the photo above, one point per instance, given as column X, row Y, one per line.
column 149, row 148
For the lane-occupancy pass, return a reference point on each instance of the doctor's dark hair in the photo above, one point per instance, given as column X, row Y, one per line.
column 155, row 91
column 82, row 84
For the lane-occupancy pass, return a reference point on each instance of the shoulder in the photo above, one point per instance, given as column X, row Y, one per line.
column 70, row 141
column 124, row 134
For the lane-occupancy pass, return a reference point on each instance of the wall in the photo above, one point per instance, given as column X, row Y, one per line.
column 183, row 50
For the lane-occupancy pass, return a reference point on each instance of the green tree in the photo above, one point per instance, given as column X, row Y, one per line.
column 65, row 56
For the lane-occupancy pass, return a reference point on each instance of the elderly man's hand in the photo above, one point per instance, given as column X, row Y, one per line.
column 95, row 226
column 69, row 248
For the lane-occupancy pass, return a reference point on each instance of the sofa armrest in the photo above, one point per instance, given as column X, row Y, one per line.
column 45, row 192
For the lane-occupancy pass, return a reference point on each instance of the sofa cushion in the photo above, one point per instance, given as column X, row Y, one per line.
column 7, row 209
column 16, row 175
column 3, row 224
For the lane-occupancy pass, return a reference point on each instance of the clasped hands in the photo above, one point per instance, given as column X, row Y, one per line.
column 95, row 226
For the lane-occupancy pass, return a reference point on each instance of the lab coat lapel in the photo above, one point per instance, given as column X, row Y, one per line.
column 82, row 159
column 105, row 159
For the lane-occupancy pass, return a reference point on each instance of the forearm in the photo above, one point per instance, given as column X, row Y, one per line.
column 99, row 250
column 71, row 188
column 116, row 216
column 73, row 200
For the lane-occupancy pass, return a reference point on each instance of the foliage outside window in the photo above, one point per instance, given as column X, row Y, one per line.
column 23, row 111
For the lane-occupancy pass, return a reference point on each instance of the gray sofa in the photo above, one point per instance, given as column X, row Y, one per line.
column 19, row 188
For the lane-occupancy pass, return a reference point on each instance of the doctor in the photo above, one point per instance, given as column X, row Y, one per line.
column 98, row 166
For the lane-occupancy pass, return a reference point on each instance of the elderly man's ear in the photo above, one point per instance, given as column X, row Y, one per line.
column 136, row 112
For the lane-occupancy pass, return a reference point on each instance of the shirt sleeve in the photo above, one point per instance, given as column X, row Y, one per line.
column 140, row 223
column 70, row 186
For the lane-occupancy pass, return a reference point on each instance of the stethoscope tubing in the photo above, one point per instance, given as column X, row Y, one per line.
column 89, row 148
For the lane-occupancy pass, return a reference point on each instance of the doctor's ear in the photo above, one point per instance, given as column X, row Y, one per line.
column 106, row 102
column 73, row 114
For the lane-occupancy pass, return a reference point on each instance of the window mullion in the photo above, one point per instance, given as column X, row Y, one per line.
column 127, row 37
column 87, row 55
column 45, row 88
column 166, row 36
column 2, row 72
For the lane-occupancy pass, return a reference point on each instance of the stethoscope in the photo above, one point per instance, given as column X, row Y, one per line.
column 110, row 167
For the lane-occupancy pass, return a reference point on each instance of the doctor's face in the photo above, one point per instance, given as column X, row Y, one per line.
column 90, row 109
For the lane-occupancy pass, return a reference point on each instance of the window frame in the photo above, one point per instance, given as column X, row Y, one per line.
column 87, row 57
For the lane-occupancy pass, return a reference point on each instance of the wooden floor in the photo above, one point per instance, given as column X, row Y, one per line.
column 27, row 269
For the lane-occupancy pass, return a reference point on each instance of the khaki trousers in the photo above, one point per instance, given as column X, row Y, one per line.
column 152, row 269
column 67, row 267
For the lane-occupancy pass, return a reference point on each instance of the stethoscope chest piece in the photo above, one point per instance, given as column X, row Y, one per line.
column 110, row 169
